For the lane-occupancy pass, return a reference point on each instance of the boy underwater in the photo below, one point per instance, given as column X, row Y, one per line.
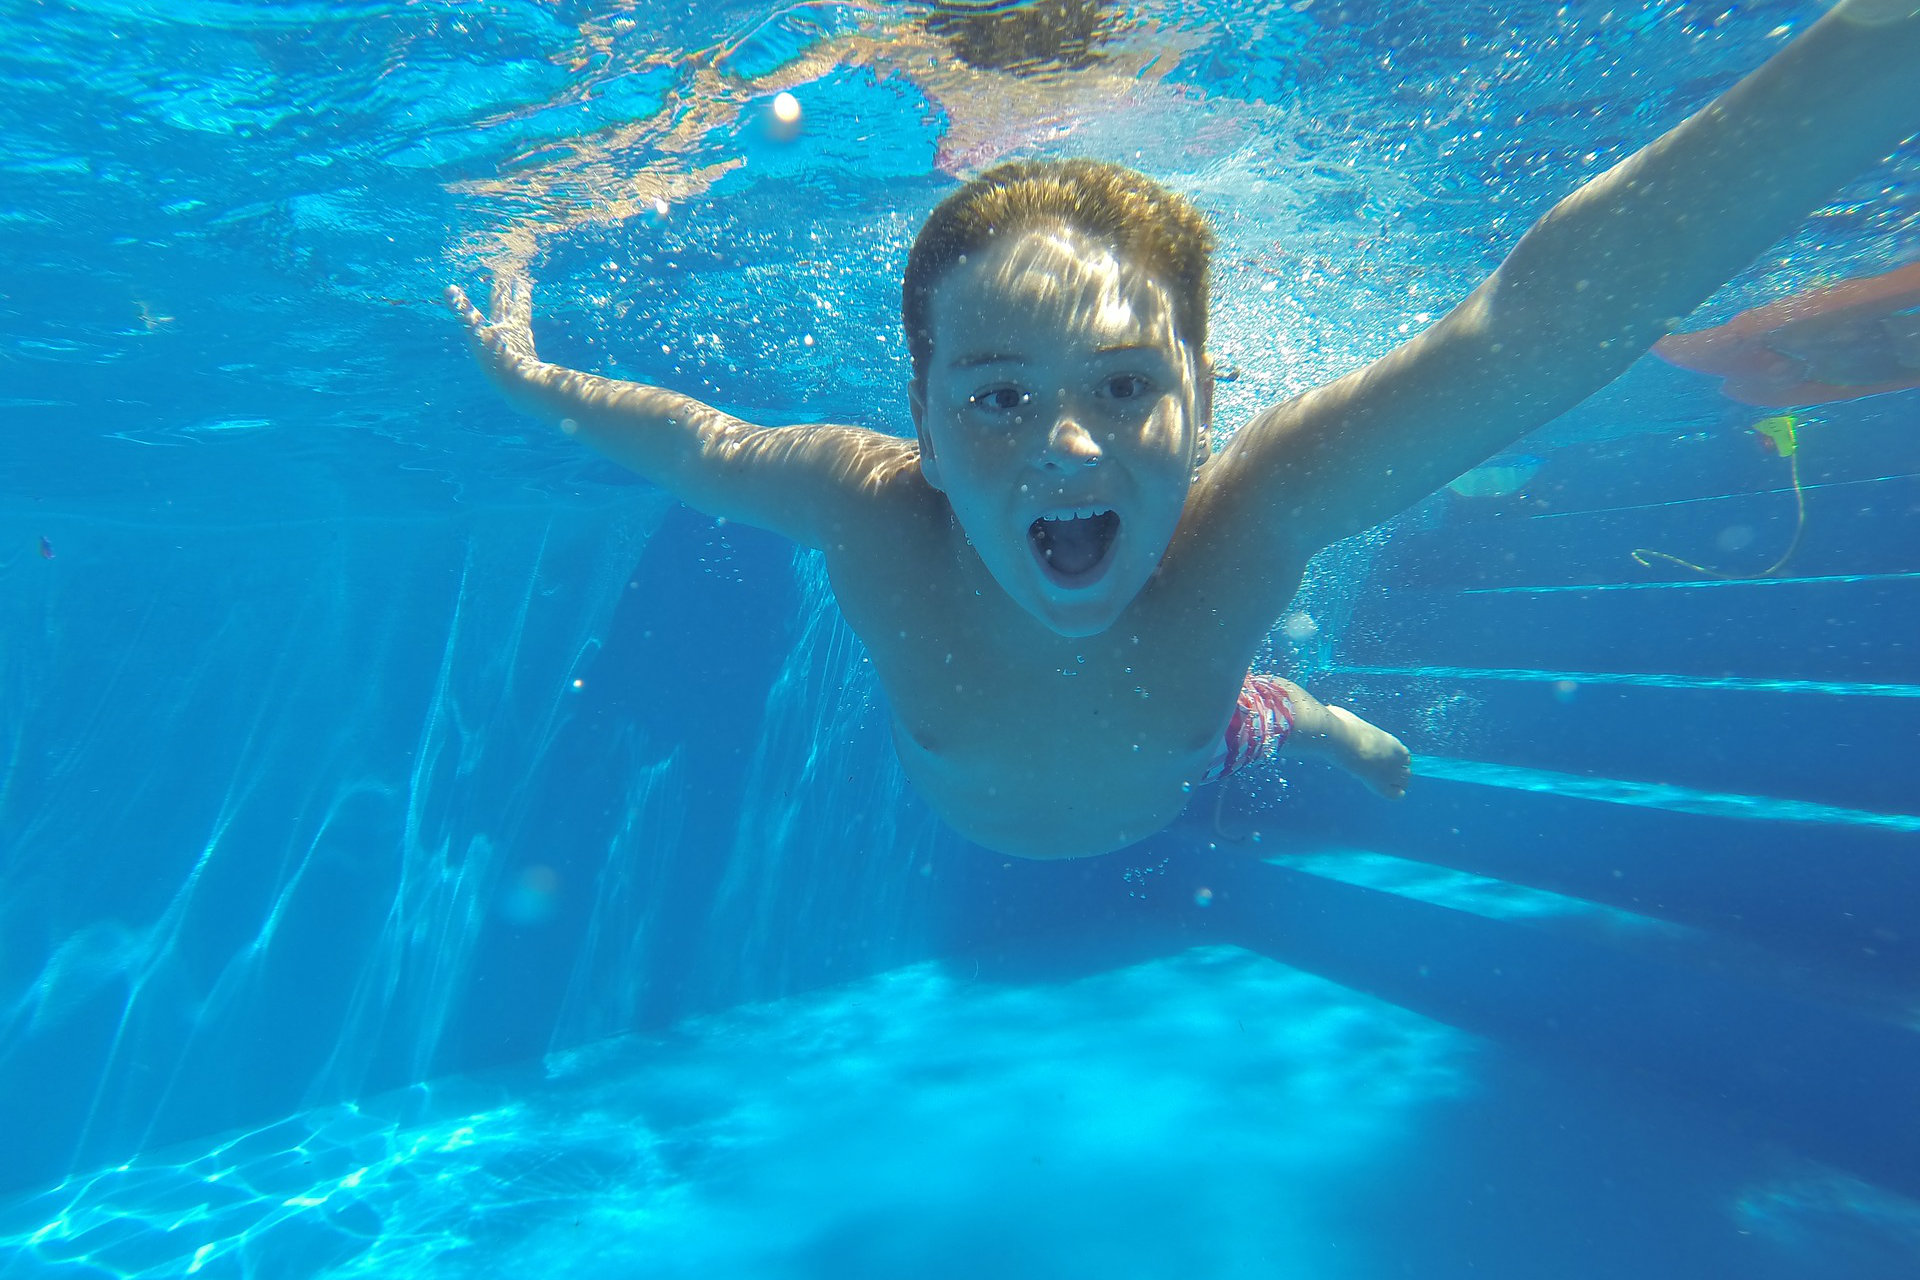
column 1061, row 593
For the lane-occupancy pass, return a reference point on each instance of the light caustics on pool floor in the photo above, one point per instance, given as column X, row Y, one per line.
column 1212, row 1112
column 921, row 1098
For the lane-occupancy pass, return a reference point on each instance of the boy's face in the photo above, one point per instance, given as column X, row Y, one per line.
column 1060, row 416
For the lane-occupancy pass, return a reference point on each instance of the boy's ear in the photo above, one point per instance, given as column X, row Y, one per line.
column 929, row 461
column 1203, row 412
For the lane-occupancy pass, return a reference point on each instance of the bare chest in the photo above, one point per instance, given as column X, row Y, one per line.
column 1027, row 741
column 1056, row 747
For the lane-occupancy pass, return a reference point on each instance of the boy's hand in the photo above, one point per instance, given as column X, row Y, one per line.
column 817, row 484
column 504, row 344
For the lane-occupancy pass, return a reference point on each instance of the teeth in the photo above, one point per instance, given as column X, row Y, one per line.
column 1074, row 513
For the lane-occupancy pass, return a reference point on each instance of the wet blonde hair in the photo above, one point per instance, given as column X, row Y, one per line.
column 1147, row 224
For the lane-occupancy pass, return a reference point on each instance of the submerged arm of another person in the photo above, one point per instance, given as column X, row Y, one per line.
column 807, row 483
column 1589, row 288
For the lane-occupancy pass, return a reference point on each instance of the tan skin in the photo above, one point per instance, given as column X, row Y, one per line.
column 1045, row 718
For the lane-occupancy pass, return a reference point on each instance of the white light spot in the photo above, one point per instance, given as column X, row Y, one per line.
column 786, row 107
column 1735, row 537
column 1300, row 626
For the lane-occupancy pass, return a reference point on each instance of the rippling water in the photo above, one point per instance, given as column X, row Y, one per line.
column 226, row 223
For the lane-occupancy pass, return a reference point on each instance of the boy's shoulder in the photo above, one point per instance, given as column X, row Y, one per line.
column 883, row 472
column 900, row 564
column 891, row 510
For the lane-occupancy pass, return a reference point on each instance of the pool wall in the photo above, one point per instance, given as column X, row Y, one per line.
column 299, row 811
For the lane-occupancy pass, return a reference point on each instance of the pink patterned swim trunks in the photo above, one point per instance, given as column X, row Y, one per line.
column 1261, row 721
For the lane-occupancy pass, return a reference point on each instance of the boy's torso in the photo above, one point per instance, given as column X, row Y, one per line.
column 1026, row 741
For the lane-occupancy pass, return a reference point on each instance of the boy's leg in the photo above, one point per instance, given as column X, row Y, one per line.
column 1335, row 734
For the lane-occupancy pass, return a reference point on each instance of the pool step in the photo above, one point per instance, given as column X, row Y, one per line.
column 1719, row 499
column 1820, row 883
column 1848, row 628
column 1644, row 935
column 1664, row 823
column 1727, row 755
column 1837, row 743
column 1800, row 1055
column 1862, row 526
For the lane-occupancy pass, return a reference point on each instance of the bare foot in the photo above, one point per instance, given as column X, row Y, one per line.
column 1368, row 752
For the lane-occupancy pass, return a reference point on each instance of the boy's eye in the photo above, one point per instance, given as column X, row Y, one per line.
column 1126, row 386
column 1000, row 398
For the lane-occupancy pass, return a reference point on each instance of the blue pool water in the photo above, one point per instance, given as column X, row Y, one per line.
column 427, row 851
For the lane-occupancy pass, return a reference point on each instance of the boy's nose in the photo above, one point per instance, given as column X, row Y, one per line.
column 1069, row 445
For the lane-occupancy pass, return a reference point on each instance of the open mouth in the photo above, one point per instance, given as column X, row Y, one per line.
column 1072, row 544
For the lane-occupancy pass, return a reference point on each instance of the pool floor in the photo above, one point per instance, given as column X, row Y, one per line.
column 1206, row 1114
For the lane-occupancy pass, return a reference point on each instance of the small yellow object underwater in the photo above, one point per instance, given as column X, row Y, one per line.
column 1779, row 430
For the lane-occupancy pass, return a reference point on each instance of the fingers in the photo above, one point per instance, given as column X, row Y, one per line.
column 506, row 341
column 512, row 300
column 511, row 303
column 458, row 303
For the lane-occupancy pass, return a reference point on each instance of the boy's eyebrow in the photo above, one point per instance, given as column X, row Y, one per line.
column 974, row 360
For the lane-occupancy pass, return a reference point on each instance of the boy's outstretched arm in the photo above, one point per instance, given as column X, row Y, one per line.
column 1589, row 288
column 814, row 484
